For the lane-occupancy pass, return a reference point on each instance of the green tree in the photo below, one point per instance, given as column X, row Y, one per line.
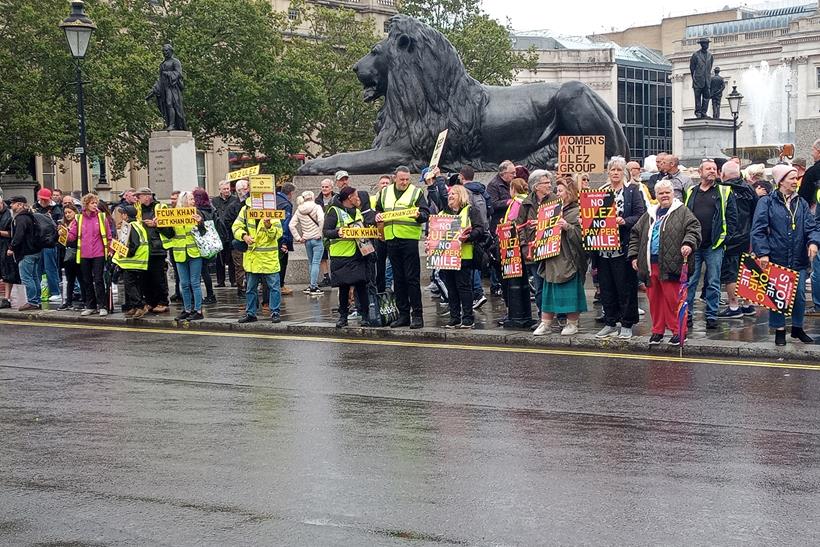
column 485, row 45
column 334, row 40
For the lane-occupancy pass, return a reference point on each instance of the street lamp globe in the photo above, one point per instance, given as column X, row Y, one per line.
column 78, row 28
column 734, row 99
column 788, row 86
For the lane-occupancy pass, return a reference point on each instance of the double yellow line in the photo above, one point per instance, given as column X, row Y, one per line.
column 425, row 345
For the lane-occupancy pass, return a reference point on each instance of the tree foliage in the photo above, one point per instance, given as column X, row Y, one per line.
column 483, row 43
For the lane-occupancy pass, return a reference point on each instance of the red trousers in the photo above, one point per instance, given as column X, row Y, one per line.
column 663, row 301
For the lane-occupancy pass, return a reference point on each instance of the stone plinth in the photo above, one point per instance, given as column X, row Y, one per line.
column 704, row 138
column 171, row 162
column 17, row 185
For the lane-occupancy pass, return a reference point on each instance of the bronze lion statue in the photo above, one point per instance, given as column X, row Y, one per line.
column 426, row 89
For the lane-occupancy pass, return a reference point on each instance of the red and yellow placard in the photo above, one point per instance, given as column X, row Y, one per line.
column 510, row 247
column 599, row 229
column 773, row 288
column 547, row 242
column 443, row 244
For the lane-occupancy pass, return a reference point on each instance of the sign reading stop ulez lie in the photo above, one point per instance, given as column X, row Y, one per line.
column 773, row 288
column 578, row 154
column 599, row 229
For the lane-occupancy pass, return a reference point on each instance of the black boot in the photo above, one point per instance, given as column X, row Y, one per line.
column 801, row 335
column 780, row 337
column 342, row 322
column 402, row 321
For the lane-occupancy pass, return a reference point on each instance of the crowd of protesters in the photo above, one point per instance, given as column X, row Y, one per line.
column 670, row 229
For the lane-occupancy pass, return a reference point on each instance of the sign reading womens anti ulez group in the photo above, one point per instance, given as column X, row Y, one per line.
column 773, row 288
column 581, row 153
column 443, row 245
column 599, row 229
column 547, row 242
column 510, row 245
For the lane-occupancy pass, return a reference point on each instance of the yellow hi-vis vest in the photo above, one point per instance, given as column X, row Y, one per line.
column 140, row 259
column 184, row 243
column 167, row 242
column 466, row 248
column 400, row 228
column 103, row 233
column 724, row 192
column 344, row 247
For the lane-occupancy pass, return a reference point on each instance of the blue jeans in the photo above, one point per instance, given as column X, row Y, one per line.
column 314, row 248
column 252, row 281
column 815, row 282
column 29, row 268
column 778, row 320
column 478, row 288
column 388, row 274
column 48, row 264
column 190, row 273
column 713, row 258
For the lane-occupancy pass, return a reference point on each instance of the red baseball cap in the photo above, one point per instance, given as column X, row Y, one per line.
column 44, row 193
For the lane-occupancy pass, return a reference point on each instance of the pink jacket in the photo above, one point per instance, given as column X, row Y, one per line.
column 91, row 242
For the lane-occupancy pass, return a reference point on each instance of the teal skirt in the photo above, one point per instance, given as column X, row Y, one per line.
column 566, row 297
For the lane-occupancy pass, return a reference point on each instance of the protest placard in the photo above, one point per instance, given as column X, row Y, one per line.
column 434, row 159
column 403, row 213
column 118, row 248
column 62, row 235
column 258, row 214
column 443, row 246
column 242, row 173
column 356, row 233
column 261, row 183
column 599, row 229
column 510, row 248
column 773, row 288
column 547, row 242
column 175, row 216
column 581, row 153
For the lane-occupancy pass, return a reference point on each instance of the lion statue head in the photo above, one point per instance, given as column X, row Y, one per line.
column 426, row 89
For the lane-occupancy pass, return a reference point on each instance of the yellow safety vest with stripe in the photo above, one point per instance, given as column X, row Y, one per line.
column 167, row 242
column 466, row 248
column 518, row 198
column 262, row 255
column 344, row 247
column 400, row 228
column 373, row 200
column 184, row 244
column 103, row 233
column 140, row 259
column 724, row 192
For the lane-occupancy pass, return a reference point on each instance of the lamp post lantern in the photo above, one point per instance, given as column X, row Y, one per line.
column 78, row 28
column 734, row 99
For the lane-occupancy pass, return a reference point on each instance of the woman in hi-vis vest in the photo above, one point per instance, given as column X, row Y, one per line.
column 92, row 230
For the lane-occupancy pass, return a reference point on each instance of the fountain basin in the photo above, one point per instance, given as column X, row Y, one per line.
column 769, row 154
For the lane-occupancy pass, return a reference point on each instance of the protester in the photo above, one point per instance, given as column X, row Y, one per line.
column 135, row 263
column 348, row 267
column 231, row 213
column 384, row 269
column 460, row 282
column 540, row 187
column 206, row 211
column 92, row 230
column 784, row 232
column 189, row 261
column 73, row 275
column 436, row 189
column 283, row 203
column 306, row 227
column 516, row 296
column 49, row 257
column 738, row 241
column 499, row 193
column 260, row 261
column 660, row 243
column 160, row 241
column 8, row 267
column 324, row 199
column 24, row 250
column 714, row 207
column 618, row 281
column 221, row 205
column 480, row 202
column 563, row 274
column 634, row 169
column 810, row 184
column 681, row 182
column 402, row 236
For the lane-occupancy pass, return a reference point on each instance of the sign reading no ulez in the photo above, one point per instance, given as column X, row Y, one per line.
column 578, row 154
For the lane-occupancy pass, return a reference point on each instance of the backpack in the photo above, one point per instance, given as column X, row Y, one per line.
column 481, row 202
column 45, row 231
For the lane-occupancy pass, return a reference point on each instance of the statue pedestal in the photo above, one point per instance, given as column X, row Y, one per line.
column 704, row 138
column 171, row 162
column 18, row 185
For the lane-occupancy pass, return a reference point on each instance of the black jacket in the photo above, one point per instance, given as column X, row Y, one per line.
column 344, row 270
column 232, row 210
column 55, row 212
column 634, row 208
column 22, row 238
column 437, row 194
column 811, row 180
column 499, row 192
column 154, row 241
column 739, row 241
column 717, row 221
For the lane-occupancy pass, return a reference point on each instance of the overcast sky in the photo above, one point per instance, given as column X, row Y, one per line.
column 582, row 17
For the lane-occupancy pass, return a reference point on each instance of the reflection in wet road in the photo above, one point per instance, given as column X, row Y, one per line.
column 211, row 440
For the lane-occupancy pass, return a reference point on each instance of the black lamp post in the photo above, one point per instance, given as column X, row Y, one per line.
column 734, row 99
column 78, row 29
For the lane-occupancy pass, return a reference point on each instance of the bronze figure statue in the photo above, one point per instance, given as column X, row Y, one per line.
column 168, row 91
column 716, row 88
column 426, row 89
column 700, row 66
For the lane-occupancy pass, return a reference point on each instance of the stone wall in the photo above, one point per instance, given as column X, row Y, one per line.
column 806, row 132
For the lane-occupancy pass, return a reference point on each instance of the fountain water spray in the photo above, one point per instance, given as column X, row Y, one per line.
column 765, row 92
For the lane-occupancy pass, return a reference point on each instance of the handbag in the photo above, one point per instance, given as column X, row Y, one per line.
column 388, row 311
column 209, row 243
column 70, row 255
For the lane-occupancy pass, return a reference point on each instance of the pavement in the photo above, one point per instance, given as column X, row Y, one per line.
column 215, row 439
column 747, row 338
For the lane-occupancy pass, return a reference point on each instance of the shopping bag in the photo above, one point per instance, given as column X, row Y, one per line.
column 209, row 243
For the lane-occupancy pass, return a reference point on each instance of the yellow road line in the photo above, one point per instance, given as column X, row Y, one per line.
column 428, row 345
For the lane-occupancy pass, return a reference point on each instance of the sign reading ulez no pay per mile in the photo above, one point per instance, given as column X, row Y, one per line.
column 578, row 154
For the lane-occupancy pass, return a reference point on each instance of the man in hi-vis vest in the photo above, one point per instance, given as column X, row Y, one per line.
column 402, row 236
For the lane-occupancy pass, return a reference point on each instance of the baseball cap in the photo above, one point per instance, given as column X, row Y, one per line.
column 346, row 192
column 342, row 174
column 18, row 199
column 144, row 191
column 44, row 193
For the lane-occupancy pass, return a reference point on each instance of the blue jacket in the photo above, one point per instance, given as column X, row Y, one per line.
column 776, row 236
column 282, row 202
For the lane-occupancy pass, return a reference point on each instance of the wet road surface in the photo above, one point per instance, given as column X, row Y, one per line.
column 126, row 438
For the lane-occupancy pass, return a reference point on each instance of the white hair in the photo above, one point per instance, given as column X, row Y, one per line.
column 182, row 198
column 616, row 161
column 307, row 195
column 730, row 169
column 536, row 175
column 664, row 183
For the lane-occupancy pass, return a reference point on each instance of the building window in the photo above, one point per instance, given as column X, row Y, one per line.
column 645, row 110
column 293, row 14
column 49, row 172
column 200, row 169
column 818, row 76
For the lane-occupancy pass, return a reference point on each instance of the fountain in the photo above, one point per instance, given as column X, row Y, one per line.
column 764, row 92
